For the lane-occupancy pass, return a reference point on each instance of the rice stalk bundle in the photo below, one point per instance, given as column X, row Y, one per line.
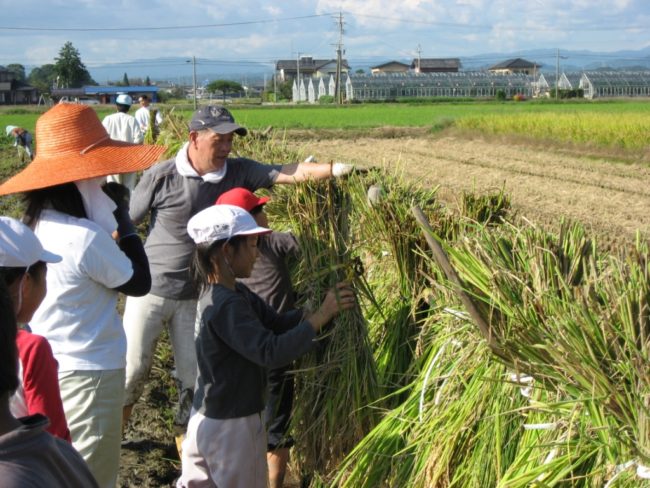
column 576, row 322
column 485, row 208
column 559, row 446
column 172, row 133
column 458, row 426
column 392, row 244
column 469, row 433
column 338, row 380
column 388, row 236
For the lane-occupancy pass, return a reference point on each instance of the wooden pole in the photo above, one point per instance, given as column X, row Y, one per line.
column 443, row 261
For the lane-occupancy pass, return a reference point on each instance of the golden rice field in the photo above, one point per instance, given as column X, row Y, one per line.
column 616, row 130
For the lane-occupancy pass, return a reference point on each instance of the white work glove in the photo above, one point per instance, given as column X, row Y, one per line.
column 341, row 169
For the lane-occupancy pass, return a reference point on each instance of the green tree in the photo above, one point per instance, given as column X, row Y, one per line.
column 285, row 90
column 224, row 87
column 125, row 80
column 42, row 78
column 360, row 71
column 71, row 71
column 18, row 70
column 147, row 81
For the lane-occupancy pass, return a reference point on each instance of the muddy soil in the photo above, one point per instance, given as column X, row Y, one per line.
column 609, row 196
column 148, row 456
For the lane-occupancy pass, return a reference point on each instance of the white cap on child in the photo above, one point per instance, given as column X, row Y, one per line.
column 19, row 246
column 222, row 222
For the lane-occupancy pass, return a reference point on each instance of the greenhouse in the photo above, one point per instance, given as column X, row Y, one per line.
column 474, row 84
column 547, row 82
column 615, row 83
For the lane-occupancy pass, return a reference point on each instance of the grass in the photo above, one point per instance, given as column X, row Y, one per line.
column 358, row 116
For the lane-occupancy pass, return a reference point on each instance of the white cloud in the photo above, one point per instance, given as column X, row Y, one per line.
column 272, row 10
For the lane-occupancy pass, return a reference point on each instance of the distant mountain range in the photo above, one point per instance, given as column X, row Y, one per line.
column 180, row 70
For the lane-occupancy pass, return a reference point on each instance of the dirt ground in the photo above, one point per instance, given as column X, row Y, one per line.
column 610, row 196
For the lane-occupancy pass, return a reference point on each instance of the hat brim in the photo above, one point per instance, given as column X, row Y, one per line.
column 228, row 128
column 262, row 201
column 254, row 231
column 107, row 158
column 50, row 257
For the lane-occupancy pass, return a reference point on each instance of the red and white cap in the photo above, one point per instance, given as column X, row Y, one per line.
column 241, row 197
column 220, row 222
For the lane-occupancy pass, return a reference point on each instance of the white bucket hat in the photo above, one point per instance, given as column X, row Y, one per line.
column 222, row 222
column 19, row 246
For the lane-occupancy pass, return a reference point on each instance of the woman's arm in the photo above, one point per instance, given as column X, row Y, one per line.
column 140, row 282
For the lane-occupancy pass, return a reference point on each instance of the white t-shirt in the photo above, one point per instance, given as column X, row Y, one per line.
column 123, row 127
column 79, row 313
column 142, row 115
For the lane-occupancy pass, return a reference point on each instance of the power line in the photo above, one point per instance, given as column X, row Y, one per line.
column 169, row 27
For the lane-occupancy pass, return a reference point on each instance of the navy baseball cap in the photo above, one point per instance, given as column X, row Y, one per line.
column 217, row 119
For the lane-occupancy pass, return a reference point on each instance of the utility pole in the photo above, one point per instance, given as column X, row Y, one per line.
column 193, row 78
column 339, row 51
column 298, row 76
column 419, row 67
column 557, row 74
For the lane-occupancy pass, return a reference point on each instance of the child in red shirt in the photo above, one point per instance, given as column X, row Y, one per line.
column 23, row 268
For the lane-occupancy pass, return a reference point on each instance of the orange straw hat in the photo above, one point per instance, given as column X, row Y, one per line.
column 73, row 145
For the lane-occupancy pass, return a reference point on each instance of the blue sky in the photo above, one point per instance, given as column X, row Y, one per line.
column 246, row 31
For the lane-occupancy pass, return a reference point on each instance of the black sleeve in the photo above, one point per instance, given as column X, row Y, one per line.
column 140, row 283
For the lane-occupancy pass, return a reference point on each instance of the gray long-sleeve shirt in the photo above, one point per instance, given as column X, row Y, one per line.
column 173, row 199
column 240, row 338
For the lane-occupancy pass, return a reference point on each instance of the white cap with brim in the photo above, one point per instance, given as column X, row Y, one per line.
column 10, row 128
column 19, row 246
column 220, row 222
column 124, row 99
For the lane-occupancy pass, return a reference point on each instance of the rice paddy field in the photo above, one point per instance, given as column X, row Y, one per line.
column 502, row 337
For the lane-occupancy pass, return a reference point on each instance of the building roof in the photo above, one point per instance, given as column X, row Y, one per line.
column 379, row 66
column 306, row 64
column 516, row 63
column 437, row 63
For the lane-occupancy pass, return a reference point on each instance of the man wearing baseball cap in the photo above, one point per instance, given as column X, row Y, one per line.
column 121, row 126
column 173, row 191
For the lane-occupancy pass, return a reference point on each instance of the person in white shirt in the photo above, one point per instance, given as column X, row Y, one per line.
column 102, row 255
column 144, row 113
column 123, row 127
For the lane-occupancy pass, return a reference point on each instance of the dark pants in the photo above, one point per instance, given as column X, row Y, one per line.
column 278, row 407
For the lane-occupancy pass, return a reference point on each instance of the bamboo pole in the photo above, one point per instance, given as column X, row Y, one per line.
column 443, row 261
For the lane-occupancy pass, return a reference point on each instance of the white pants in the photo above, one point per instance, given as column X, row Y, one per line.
column 228, row 453
column 92, row 401
column 144, row 319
